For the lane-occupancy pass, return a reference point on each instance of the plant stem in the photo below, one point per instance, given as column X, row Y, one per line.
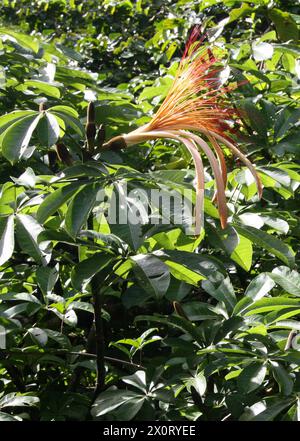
column 99, row 330
column 100, row 342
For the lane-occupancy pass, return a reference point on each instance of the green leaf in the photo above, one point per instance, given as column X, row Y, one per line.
column 269, row 243
column 272, row 304
column 80, row 208
column 42, row 87
column 27, row 179
column 251, row 377
column 14, row 400
column 278, row 224
column 69, row 116
column 129, row 232
column 288, row 279
column 151, row 274
column 27, row 230
column 227, row 239
column 259, row 286
column 25, row 41
column 201, row 264
column 273, row 410
column 237, row 13
column 198, row 382
column 8, row 417
column 52, row 202
column 128, row 412
column 16, row 138
column 59, row 338
column 256, row 117
column 69, row 317
column 10, row 118
column 286, row 119
column 228, row 326
column 176, row 322
column 20, row 296
column 39, row 335
column 242, row 254
column 138, row 380
column 109, row 400
column 280, row 176
column 66, row 110
column 285, row 25
column 134, row 296
column 48, row 130
column 46, row 278
column 83, row 272
column 262, row 51
column 283, row 378
column 222, row 290
column 7, row 240
column 288, row 49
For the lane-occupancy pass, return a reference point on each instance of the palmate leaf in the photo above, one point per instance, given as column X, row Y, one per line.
column 16, row 138
column 17, row 129
column 48, row 130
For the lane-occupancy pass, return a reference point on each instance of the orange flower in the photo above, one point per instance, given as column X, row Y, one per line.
column 195, row 102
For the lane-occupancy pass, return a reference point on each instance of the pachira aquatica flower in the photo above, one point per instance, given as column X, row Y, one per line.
column 196, row 104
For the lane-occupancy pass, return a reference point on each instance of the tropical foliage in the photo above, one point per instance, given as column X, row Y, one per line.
column 110, row 321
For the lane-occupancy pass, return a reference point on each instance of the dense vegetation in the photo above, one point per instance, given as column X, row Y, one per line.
column 120, row 321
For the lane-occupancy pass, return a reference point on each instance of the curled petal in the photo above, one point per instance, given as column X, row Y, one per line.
column 222, row 162
column 244, row 159
column 221, row 198
column 199, row 181
column 133, row 138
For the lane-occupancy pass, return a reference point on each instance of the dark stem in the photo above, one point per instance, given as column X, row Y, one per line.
column 99, row 329
column 80, row 354
column 100, row 341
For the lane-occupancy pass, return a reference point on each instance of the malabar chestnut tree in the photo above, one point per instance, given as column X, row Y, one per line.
column 101, row 106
